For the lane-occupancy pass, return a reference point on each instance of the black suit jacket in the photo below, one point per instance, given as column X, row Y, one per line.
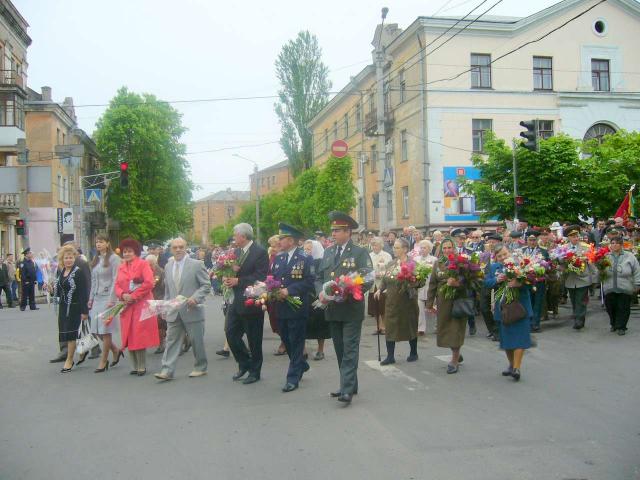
column 254, row 268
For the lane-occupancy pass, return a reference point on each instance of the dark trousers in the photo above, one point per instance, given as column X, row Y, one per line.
column 14, row 290
column 293, row 332
column 537, row 303
column 252, row 326
column 7, row 292
column 485, row 310
column 28, row 293
column 346, row 342
column 618, row 307
column 579, row 297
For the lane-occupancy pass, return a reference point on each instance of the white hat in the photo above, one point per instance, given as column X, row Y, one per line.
column 555, row 226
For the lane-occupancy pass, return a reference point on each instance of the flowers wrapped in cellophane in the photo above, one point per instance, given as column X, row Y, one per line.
column 108, row 315
column 223, row 267
column 47, row 266
column 262, row 293
column 343, row 288
column 569, row 260
column 467, row 269
column 600, row 258
column 162, row 307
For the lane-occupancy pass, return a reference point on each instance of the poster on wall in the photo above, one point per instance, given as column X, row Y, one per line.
column 67, row 220
column 459, row 206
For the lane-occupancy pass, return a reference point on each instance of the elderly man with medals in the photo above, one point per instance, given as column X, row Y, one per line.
column 537, row 292
column 294, row 270
column 345, row 318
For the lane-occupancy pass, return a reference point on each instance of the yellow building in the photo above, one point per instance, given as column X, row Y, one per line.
column 440, row 99
column 271, row 179
column 214, row 210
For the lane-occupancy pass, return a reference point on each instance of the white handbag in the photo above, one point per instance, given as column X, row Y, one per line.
column 87, row 339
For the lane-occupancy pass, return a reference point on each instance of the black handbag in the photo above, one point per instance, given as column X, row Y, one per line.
column 512, row 312
column 463, row 307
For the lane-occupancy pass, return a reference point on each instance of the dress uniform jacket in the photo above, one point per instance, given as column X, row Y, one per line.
column 584, row 279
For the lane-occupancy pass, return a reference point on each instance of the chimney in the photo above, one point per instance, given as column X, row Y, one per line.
column 46, row 94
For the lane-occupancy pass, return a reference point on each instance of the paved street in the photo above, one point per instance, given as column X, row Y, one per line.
column 574, row 414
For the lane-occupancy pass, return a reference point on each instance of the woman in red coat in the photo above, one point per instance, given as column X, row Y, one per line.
column 134, row 286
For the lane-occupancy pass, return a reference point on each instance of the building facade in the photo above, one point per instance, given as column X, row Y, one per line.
column 14, row 42
column 271, row 179
column 441, row 99
column 218, row 209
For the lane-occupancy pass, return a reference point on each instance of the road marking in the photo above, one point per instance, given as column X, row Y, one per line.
column 443, row 358
column 390, row 371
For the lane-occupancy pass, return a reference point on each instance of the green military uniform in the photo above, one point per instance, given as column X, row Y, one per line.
column 345, row 318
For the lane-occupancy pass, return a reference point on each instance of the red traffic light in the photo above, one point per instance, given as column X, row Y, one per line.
column 20, row 223
column 519, row 200
column 124, row 166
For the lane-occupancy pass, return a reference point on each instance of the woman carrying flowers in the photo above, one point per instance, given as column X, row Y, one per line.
column 621, row 280
column 509, row 279
column 399, row 285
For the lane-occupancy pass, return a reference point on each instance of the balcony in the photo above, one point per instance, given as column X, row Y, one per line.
column 9, row 203
column 10, row 78
column 371, row 122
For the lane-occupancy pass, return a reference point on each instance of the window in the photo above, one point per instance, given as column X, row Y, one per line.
column 405, row 202
column 11, row 111
column 375, row 202
column 480, row 127
column 374, row 159
column 358, row 117
column 371, row 104
column 480, row 70
column 361, row 162
column 64, row 138
column 542, row 73
column 58, row 136
column 404, row 147
column 403, row 85
column 361, row 218
column 600, row 75
column 598, row 131
column 60, row 190
column 326, row 139
column 273, row 180
column 65, row 190
column 545, row 128
column 389, row 205
column 346, row 125
column 335, row 130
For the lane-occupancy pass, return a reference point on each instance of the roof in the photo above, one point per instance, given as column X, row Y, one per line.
column 277, row 166
column 227, row 195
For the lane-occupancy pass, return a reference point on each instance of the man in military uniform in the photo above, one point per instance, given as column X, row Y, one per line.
column 28, row 281
column 294, row 269
column 578, row 284
column 345, row 318
column 491, row 239
column 537, row 291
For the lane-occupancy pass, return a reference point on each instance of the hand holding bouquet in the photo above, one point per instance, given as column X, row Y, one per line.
column 262, row 293
column 569, row 260
column 466, row 270
column 108, row 315
column 225, row 266
column 162, row 307
column 512, row 271
column 600, row 258
column 343, row 288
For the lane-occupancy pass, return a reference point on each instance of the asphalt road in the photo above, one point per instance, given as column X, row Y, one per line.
column 574, row 415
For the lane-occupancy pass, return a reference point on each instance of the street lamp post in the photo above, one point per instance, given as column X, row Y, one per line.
column 255, row 173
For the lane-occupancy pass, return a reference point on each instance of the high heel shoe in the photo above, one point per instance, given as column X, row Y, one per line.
column 104, row 369
column 120, row 355
column 67, row 370
column 83, row 357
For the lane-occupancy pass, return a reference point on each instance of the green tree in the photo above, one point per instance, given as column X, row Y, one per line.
column 220, row 234
column 556, row 182
column 146, row 132
column 304, row 91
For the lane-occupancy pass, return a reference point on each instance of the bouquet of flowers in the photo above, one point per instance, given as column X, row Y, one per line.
column 513, row 271
column 343, row 288
column 262, row 293
column 464, row 268
column 599, row 257
column 162, row 307
column 535, row 268
column 410, row 275
column 108, row 315
column 568, row 259
column 224, row 268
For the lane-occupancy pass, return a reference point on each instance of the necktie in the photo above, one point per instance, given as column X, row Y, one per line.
column 176, row 275
column 338, row 253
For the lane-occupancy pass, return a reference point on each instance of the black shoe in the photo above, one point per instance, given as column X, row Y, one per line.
column 460, row 359
column 289, row 387
column 239, row 374
column 306, row 368
column 250, row 379
column 120, row 355
column 23, row 309
column 34, row 308
column 508, row 372
column 535, row 329
column 223, row 353
column 67, row 370
column 622, row 332
column 516, row 374
column 472, row 330
column 412, row 358
column 388, row 361
column 345, row 398
column 142, row 373
column 489, row 335
column 104, row 369
column 335, row 394
column 83, row 357
column 133, row 372
column 58, row 359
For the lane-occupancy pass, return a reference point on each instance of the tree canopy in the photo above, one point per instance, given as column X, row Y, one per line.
column 146, row 132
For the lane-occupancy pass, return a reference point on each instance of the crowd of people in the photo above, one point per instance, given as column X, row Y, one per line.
column 320, row 288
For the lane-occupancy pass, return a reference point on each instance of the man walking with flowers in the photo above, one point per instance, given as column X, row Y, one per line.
column 345, row 317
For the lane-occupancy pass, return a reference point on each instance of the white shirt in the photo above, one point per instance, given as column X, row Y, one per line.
column 290, row 254
column 246, row 248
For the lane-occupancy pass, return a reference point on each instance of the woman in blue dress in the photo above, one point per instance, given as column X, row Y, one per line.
column 514, row 338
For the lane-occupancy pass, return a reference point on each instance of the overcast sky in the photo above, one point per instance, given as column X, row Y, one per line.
column 200, row 49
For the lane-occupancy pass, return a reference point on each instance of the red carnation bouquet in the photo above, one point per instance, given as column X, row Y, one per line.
column 224, row 268
column 600, row 258
column 343, row 288
column 464, row 268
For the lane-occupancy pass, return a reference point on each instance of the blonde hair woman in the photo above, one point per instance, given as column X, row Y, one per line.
column 425, row 257
column 71, row 294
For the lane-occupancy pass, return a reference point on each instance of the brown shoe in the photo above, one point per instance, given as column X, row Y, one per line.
column 197, row 373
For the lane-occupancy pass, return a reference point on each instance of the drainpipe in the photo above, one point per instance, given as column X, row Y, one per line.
column 425, row 144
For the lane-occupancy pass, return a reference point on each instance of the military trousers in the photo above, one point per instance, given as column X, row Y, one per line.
column 346, row 342
column 293, row 332
column 579, row 297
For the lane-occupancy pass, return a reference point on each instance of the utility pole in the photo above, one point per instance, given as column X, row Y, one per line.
column 381, row 131
column 23, row 160
column 515, row 184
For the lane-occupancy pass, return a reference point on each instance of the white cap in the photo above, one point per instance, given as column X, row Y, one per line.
column 555, row 226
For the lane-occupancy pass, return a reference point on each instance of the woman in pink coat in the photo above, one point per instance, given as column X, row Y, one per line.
column 134, row 285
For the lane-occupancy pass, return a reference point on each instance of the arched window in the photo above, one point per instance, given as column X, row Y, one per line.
column 598, row 131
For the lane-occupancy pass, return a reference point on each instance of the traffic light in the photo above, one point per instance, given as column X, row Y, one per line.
column 21, row 226
column 124, row 174
column 531, row 135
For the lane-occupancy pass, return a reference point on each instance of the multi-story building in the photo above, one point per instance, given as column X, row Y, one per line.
column 217, row 209
column 582, row 78
column 271, row 179
column 14, row 42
